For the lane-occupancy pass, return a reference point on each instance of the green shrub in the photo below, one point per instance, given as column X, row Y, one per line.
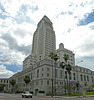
column 41, row 91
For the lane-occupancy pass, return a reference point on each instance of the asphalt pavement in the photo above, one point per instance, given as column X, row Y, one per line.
column 4, row 96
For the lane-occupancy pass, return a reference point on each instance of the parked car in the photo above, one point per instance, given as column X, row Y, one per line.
column 26, row 94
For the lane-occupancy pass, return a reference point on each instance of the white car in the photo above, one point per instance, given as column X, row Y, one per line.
column 26, row 94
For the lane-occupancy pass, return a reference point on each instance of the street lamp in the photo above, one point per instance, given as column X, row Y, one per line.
column 79, row 62
column 77, row 76
column 76, row 68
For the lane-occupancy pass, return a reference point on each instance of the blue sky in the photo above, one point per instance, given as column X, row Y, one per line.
column 73, row 22
column 88, row 19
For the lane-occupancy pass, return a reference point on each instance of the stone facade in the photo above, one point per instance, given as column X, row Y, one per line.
column 43, row 39
column 41, row 77
column 39, row 66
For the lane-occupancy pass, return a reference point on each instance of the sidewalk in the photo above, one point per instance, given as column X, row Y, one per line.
column 64, row 96
column 87, row 96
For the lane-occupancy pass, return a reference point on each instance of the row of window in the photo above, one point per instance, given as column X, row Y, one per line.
column 3, row 81
column 48, row 82
column 57, row 74
column 85, row 78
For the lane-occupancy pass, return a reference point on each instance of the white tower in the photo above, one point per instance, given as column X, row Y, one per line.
column 43, row 39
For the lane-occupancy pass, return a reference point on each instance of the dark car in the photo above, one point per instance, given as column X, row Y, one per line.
column 26, row 94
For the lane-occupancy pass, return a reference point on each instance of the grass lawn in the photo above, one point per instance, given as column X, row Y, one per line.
column 89, row 93
column 77, row 94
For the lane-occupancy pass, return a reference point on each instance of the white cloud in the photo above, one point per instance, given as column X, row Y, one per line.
column 65, row 16
column 82, row 40
column 9, row 56
column 4, row 73
column 11, row 7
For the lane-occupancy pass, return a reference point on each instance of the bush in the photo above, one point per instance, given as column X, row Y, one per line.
column 90, row 90
column 31, row 92
column 41, row 91
column 18, row 91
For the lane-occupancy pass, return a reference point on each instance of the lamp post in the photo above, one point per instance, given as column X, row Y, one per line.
column 77, row 76
column 76, row 68
column 56, row 57
column 79, row 62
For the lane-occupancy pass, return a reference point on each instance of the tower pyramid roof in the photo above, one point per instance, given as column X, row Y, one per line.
column 46, row 18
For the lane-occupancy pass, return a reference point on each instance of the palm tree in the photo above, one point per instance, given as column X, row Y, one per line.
column 27, row 80
column 54, row 57
column 66, row 58
column 68, row 69
column 62, row 65
column 12, row 82
column 51, row 55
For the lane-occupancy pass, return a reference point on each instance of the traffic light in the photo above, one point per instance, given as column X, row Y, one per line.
column 77, row 84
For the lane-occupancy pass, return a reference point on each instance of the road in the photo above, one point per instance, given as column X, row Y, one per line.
column 4, row 96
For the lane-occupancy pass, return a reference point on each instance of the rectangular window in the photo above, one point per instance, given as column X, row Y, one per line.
column 81, row 77
column 42, row 74
column 70, row 76
column 56, row 73
column 65, row 75
column 74, row 76
column 34, row 74
column 84, row 77
column 31, row 76
column 88, row 78
column 38, row 73
column 60, row 73
column 47, row 74
column 47, row 82
column 92, row 79
column 47, row 69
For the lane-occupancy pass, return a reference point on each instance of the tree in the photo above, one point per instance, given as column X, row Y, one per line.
column 51, row 55
column 66, row 58
column 92, row 85
column 27, row 80
column 62, row 65
column 12, row 82
column 54, row 57
column 68, row 69
column 67, row 66
column 16, row 88
column 2, row 87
